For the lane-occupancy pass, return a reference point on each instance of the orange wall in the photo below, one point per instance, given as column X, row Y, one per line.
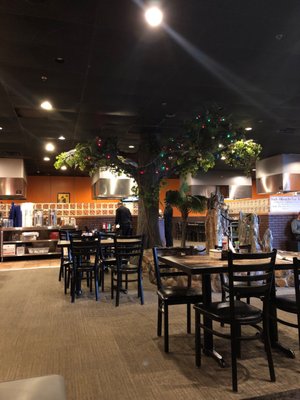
column 170, row 184
column 44, row 189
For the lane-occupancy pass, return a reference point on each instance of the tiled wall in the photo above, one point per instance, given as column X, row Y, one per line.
column 76, row 209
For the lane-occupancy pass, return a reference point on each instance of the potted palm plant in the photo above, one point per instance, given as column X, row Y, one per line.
column 185, row 203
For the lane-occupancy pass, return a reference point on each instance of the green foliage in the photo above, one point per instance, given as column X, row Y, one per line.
column 242, row 154
column 185, row 202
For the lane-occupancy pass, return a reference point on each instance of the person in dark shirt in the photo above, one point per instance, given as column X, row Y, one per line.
column 295, row 225
column 124, row 220
column 168, row 217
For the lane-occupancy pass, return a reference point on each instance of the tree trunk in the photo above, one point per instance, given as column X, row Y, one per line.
column 148, row 210
column 184, row 218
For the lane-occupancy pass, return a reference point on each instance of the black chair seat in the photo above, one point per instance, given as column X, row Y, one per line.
column 172, row 295
column 180, row 294
column 128, row 250
column 248, row 274
column 221, row 311
column 287, row 303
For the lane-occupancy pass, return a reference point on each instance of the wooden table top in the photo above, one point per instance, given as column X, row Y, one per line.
column 200, row 264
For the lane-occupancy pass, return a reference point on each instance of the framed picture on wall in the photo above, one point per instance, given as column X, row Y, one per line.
column 63, row 197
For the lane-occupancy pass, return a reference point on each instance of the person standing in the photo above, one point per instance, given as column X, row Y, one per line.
column 168, row 217
column 295, row 226
column 124, row 220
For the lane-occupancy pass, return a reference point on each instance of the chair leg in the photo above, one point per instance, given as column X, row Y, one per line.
column 238, row 342
column 73, row 287
column 166, row 327
column 112, row 284
column 188, row 318
column 66, row 279
column 102, row 274
column 233, row 335
column 267, row 344
column 197, row 339
column 140, row 287
column 60, row 274
column 159, row 317
column 96, row 274
column 118, row 288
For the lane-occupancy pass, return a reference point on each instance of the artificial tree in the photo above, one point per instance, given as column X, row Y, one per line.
column 210, row 136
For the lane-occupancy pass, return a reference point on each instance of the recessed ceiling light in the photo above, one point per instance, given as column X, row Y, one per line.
column 154, row 16
column 44, row 78
column 46, row 105
column 50, row 147
column 46, row 158
column 62, row 138
column 60, row 60
column 131, row 146
column 63, row 167
column 253, row 169
column 223, row 158
column 1, row 128
column 248, row 128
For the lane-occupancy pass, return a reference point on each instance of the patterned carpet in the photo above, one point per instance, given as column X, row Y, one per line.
column 109, row 353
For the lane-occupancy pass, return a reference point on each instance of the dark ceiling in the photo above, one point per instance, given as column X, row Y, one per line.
column 121, row 77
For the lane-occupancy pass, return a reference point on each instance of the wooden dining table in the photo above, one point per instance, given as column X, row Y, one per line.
column 206, row 265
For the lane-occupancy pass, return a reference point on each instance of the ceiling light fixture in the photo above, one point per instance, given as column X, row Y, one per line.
column 63, row 167
column 50, row 147
column 46, row 158
column 154, row 16
column 248, row 128
column 46, row 105
column 131, row 146
column 61, row 138
column 60, row 60
column 1, row 128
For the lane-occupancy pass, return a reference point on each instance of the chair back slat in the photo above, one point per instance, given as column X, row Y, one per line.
column 252, row 276
column 166, row 271
column 83, row 250
column 127, row 247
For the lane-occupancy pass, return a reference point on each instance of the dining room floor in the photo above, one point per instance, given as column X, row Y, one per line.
column 107, row 352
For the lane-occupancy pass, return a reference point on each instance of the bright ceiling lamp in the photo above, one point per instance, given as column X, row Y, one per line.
column 46, row 105
column 50, row 147
column 249, row 128
column 154, row 16
column 63, row 167
column 46, row 158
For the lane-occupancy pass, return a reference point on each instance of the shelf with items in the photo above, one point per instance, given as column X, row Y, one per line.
column 29, row 242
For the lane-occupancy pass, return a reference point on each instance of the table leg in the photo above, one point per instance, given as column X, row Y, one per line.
column 208, row 346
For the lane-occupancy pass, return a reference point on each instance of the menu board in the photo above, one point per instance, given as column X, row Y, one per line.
column 283, row 204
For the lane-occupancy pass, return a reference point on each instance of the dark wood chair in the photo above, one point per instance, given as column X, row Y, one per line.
column 172, row 295
column 243, row 248
column 107, row 255
column 64, row 255
column 258, row 269
column 128, row 266
column 290, row 303
column 85, row 257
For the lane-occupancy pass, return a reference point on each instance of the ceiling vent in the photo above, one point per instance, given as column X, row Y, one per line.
column 279, row 173
column 230, row 184
column 13, row 182
column 108, row 185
